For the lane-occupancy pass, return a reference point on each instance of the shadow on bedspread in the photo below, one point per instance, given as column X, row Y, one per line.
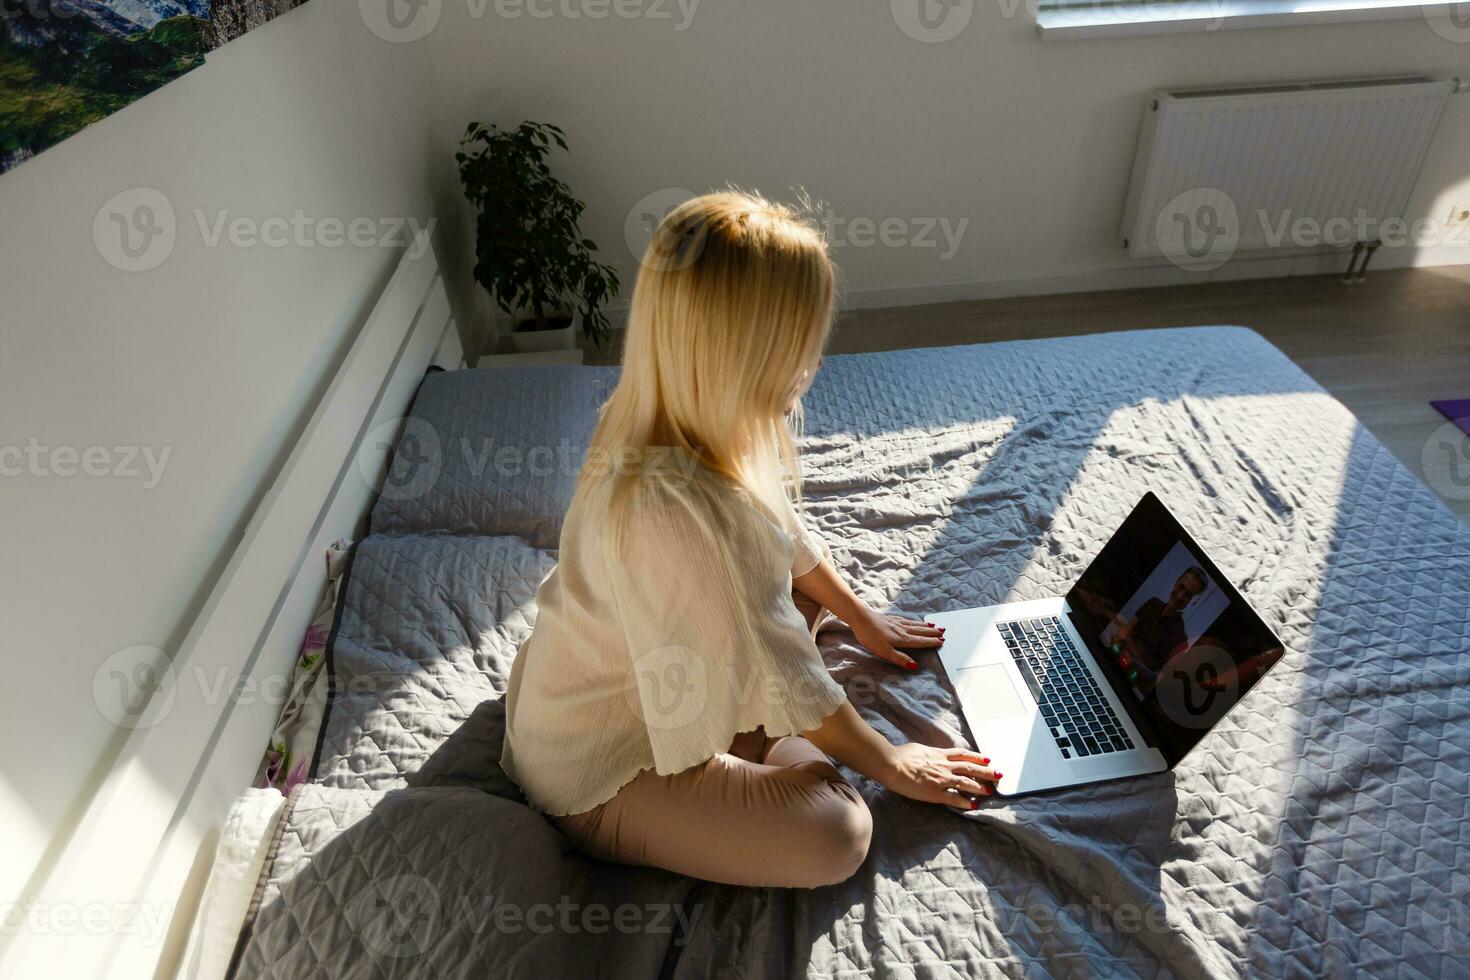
column 1315, row 832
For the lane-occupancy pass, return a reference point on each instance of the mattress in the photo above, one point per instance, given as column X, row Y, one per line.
column 1319, row 830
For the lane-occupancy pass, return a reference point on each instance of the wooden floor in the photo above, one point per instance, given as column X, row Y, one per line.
column 1384, row 347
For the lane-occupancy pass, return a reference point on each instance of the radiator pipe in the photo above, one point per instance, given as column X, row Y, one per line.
column 1367, row 257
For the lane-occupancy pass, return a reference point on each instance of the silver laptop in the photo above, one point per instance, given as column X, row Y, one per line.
column 1122, row 676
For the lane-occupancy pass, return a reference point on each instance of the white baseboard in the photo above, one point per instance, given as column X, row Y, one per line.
column 1132, row 277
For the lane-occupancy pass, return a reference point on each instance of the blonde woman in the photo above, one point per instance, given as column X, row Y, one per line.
column 670, row 707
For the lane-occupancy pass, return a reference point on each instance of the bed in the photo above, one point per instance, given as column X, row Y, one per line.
column 1319, row 830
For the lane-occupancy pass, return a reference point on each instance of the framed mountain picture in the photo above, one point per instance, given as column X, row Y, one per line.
column 65, row 64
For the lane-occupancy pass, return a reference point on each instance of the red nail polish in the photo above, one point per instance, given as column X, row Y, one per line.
column 974, row 805
column 912, row 665
column 998, row 776
column 985, row 760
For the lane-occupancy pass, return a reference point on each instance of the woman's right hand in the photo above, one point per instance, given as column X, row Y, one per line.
column 954, row 777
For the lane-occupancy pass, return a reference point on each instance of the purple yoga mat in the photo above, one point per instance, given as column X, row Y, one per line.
column 1457, row 410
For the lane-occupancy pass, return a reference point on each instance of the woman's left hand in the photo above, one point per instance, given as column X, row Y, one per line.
column 886, row 637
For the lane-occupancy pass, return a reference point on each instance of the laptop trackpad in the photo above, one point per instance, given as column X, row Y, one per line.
column 988, row 690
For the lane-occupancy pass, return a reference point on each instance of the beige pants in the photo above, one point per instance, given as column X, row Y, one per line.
column 784, row 817
column 770, row 812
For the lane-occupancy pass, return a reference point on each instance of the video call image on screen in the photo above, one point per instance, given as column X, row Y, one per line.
column 1171, row 631
column 1168, row 614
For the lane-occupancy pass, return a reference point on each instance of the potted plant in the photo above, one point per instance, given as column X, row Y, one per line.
column 529, row 253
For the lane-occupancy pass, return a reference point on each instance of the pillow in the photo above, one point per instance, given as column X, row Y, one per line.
column 492, row 451
column 426, row 635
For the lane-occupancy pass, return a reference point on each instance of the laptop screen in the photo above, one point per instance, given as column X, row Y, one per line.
column 1180, row 644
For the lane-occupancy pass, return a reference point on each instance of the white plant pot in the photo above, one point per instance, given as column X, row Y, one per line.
column 534, row 341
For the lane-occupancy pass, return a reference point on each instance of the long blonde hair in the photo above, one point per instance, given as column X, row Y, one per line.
column 732, row 308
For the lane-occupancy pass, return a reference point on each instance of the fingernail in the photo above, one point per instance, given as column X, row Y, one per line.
column 912, row 665
column 974, row 805
column 985, row 760
column 999, row 776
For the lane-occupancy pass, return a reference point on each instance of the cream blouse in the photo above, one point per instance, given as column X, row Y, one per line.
column 658, row 661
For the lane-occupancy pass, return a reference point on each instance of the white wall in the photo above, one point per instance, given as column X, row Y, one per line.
column 215, row 356
column 1031, row 141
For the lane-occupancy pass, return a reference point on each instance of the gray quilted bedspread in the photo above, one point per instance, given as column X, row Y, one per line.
column 1319, row 830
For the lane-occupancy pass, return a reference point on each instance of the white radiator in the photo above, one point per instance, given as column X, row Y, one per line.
column 1229, row 170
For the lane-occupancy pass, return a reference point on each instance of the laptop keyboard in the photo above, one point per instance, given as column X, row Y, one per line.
column 1080, row 718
